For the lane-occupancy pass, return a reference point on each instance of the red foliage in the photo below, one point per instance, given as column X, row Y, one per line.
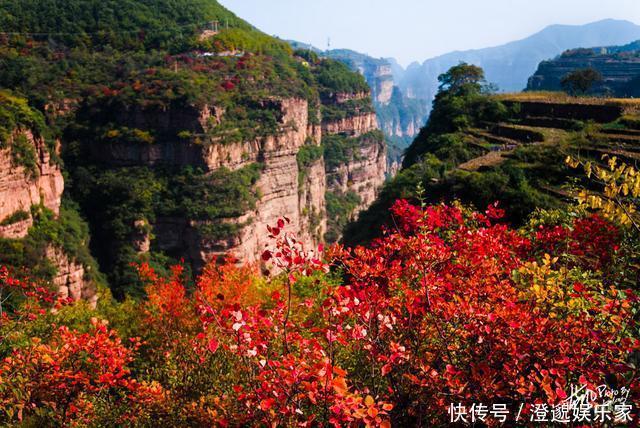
column 228, row 85
column 24, row 300
column 592, row 240
column 447, row 307
column 437, row 312
column 65, row 374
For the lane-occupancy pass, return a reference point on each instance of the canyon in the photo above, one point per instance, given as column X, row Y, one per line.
column 180, row 148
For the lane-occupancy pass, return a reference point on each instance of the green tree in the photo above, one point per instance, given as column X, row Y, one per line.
column 461, row 103
column 580, row 81
column 460, row 77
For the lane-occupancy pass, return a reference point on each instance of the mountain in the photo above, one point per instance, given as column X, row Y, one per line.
column 619, row 67
column 399, row 116
column 165, row 130
column 478, row 149
column 509, row 66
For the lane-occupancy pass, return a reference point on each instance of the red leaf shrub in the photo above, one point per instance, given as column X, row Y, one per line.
column 447, row 307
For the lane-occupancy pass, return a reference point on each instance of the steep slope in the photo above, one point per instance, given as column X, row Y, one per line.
column 377, row 72
column 510, row 148
column 35, row 232
column 619, row 67
column 510, row 65
column 185, row 139
column 399, row 116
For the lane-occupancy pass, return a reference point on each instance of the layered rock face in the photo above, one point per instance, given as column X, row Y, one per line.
column 380, row 74
column 364, row 172
column 70, row 277
column 619, row 67
column 22, row 187
column 285, row 190
column 403, row 117
column 352, row 126
column 281, row 194
column 398, row 116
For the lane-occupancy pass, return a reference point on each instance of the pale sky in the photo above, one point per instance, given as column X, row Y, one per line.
column 413, row 30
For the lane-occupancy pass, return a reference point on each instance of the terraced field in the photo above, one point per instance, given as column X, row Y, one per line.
column 607, row 126
column 519, row 160
column 544, row 129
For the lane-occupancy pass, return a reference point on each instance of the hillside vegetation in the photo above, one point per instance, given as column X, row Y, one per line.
column 481, row 148
column 513, row 305
column 120, row 24
column 105, row 74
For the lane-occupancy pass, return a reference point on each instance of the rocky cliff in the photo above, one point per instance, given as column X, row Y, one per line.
column 399, row 116
column 618, row 65
column 31, row 181
column 23, row 184
column 184, row 145
column 281, row 192
column 356, row 162
column 361, row 174
column 285, row 187
column 281, row 195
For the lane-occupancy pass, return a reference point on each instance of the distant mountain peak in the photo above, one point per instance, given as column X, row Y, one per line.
column 510, row 65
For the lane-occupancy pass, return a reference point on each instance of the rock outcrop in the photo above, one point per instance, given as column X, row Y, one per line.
column 22, row 186
column 281, row 194
column 352, row 126
column 70, row 277
column 399, row 116
column 364, row 171
column 619, row 67
column 285, row 190
column 362, row 174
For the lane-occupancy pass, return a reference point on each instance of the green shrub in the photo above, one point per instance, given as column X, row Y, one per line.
column 248, row 40
column 16, row 217
column 340, row 207
column 332, row 112
column 335, row 77
column 307, row 155
column 68, row 232
column 340, row 149
column 23, row 153
column 122, row 24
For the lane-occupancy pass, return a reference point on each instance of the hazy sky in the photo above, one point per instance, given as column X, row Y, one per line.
column 414, row 30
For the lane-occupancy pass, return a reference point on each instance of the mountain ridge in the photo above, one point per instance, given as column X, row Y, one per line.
column 520, row 57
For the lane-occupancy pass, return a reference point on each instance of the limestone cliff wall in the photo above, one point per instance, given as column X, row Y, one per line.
column 284, row 190
column 352, row 126
column 281, row 193
column 364, row 173
column 20, row 189
column 70, row 277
